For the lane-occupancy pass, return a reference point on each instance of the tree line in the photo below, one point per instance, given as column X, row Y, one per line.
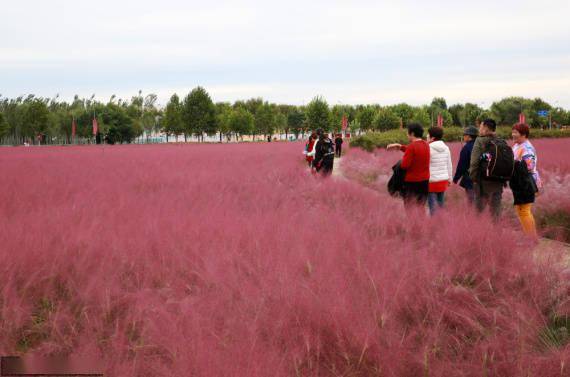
column 36, row 119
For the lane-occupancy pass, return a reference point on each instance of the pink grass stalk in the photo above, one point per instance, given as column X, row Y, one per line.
column 233, row 260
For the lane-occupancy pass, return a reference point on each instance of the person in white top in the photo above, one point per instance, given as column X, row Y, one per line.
column 440, row 169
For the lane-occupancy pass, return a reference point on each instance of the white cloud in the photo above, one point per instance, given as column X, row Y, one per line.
column 405, row 48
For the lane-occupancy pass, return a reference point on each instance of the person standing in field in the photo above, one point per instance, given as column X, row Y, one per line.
column 311, row 149
column 462, row 173
column 324, row 156
column 416, row 164
column 338, row 145
column 440, row 169
column 492, row 165
column 526, row 180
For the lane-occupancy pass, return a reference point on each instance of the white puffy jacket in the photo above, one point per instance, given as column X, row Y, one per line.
column 440, row 167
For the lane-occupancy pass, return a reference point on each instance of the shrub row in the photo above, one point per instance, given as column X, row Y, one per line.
column 372, row 140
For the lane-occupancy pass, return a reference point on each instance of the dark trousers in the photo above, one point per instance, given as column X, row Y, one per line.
column 415, row 193
column 326, row 165
column 338, row 150
column 484, row 198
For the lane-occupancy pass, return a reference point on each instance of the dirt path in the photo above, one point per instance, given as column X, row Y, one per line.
column 337, row 173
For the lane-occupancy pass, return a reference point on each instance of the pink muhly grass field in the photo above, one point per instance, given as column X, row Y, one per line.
column 233, row 260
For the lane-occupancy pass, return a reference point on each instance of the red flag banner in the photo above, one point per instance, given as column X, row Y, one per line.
column 73, row 128
column 95, row 127
column 522, row 118
column 439, row 120
column 344, row 123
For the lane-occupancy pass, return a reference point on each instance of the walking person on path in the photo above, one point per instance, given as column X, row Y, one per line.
column 338, row 145
column 491, row 166
column 526, row 180
column 440, row 169
column 324, row 156
column 416, row 164
column 462, row 173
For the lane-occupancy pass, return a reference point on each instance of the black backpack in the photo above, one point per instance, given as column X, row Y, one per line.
column 497, row 161
column 522, row 184
column 327, row 148
column 396, row 182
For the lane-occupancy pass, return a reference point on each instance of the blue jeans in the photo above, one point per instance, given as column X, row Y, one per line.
column 435, row 199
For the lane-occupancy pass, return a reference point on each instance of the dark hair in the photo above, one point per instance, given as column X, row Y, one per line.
column 313, row 135
column 522, row 128
column 319, row 131
column 415, row 129
column 490, row 124
column 436, row 133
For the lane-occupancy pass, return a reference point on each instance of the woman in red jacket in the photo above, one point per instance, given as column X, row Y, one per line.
column 416, row 164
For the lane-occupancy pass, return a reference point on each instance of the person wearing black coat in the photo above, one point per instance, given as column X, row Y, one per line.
column 522, row 184
column 324, row 157
column 462, row 172
column 396, row 182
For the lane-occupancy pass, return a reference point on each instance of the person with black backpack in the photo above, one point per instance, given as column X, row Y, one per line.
column 491, row 167
column 324, row 157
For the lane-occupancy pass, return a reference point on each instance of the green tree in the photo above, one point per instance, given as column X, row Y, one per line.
column 4, row 128
column 281, row 123
column 365, row 116
column 507, row 110
column 456, row 111
column 535, row 120
column 265, row 120
column 150, row 115
column 172, row 123
column 35, row 118
column 422, row 117
column 318, row 114
column 385, row 120
column 403, row 111
column 199, row 113
column 559, row 116
column 241, row 121
column 121, row 128
column 338, row 112
column 438, row 103
column 296, row 121
column 223, row 112
column 447, row 118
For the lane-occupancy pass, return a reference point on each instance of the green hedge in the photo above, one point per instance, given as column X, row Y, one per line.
column 373, row 140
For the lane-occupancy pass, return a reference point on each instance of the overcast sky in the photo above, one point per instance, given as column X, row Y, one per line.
column 383, row 51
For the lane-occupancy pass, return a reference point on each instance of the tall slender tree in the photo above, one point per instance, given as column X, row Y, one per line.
column 172, row 122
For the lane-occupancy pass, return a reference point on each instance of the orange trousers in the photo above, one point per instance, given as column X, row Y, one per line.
column 524, row 212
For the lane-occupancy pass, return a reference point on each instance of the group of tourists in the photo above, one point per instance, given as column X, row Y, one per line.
column 320, row 151
column 486, row 165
